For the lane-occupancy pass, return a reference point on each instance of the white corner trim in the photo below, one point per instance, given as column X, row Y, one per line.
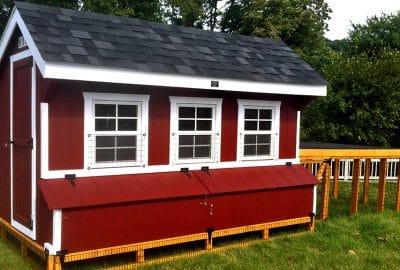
column 55, row 246
column 57, row 229
column 315, row 200
column 298, row 134
column 16, row 20
column 44, row 139
column 127, row 76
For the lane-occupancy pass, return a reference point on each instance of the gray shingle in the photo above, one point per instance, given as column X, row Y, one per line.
column 80, row 34
column 103, row 44
column 77, row 50
column 72, row 36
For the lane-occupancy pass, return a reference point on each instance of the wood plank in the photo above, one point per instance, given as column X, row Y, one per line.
column 325, row 186
column 336, row 178
column 398, row 189
column 367, row 173
column 321, row 170
column 77, row 256
column 382, row 185
column 355, row 187
column 308, row 155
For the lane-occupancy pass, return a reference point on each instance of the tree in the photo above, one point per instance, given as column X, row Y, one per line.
column 378, row 33
column 192, row 13
column 300, row 23
column 363, row 102
column 148, row 10
column 362, row 105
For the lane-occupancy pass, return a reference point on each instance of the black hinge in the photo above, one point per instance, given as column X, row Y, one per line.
column 31, row 224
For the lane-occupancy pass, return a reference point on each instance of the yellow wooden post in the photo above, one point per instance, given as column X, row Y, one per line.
column 398, row 188
column 355, row 186
column 309, row 167
column 50, row 262
column 57, row 263
column 140, row 256
column 336, row 179
column 382, row 185
column 265, row 234
column 367, row 173
column 324, row 209
column 208, row 244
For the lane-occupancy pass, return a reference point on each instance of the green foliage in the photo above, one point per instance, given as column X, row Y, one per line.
column 192, row 13
column 142, row 9
column 377, row 34
column 363, row 102
column 300, row 23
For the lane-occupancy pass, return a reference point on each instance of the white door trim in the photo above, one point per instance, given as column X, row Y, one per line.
column 14, row 223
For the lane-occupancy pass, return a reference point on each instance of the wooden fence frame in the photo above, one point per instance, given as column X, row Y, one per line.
column 324, row 157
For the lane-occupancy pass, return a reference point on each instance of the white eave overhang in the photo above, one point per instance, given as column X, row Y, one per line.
column 67, row 71
column 126, row 76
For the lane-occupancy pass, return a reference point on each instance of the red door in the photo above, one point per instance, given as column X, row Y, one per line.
column 22, row 143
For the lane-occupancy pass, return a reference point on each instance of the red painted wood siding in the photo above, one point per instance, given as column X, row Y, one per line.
column 98, row 227
column 288, row 130
column 66, row 122
column 66, row 128
column 4, row 140
column 159, row 124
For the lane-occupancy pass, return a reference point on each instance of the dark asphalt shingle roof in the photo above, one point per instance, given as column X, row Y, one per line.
column 318, row 145
column 77, row 37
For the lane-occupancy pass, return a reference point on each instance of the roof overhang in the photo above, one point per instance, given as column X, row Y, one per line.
column 66, row 71
column 127, row 76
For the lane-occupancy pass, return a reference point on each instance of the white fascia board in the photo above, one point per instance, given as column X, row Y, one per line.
column 126, row 76
column 16, row 19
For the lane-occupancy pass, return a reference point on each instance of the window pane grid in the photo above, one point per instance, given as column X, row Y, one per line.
column 115, row 150
column 257, row 133
column 117, row 140
column 112, row 117
column 195, row 136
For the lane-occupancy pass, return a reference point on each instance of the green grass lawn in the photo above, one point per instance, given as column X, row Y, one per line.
column 364, row 241
column 10, row 258
column 367, row 240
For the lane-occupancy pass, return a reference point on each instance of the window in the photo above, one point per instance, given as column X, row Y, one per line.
column 115, row 130
column 21, row 42
column 195, row 129
column 258, row 137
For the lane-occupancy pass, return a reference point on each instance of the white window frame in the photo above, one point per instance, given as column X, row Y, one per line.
column 90, row 99
column 258, row 104
column 216, row 104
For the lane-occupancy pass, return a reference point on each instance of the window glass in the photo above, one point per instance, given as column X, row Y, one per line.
column 194, row 135
column 256, row 125
column 115, row 137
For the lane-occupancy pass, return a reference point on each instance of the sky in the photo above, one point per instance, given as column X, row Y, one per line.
column 356, row 11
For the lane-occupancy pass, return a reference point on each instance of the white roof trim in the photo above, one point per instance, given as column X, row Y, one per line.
column 126, row 76
column 16, row 19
